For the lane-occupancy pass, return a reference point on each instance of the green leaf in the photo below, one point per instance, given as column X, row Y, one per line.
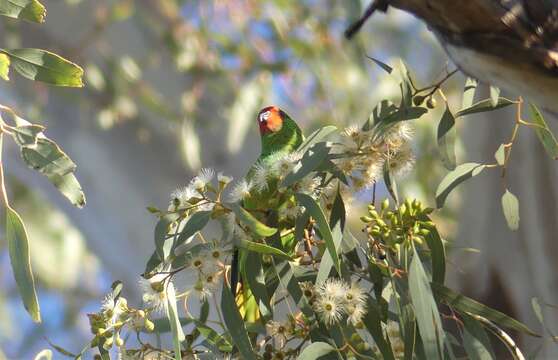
column 535, row 304
column 213, row 338
column 47, row 158
column 437, row 253
column 316, row 350
column 390, row 184
column 4, row 66
column 42, row 65
column 235, row 324
column 372, row 321
column 483, row 106
column 446, row 139
column 310, row 161
column 454, row 178
column 510, row 205
column 18, row 247
column 196, row 222
column 475, row 340
column 253, row 224
column 469, row 93
column 30, row 10
column 27, row 135
column 263, row 249
column 316, row 137
column 494, row 95
column 462, row 304
column 426, row 310
column 384, row 109
column 500, row 155
column 337, row 221
column 162, row 247
column 316, row 212
column 253, row 273
column 174, row 321
column 544, row 133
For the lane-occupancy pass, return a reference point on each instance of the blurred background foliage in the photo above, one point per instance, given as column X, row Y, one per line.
column 171, row 86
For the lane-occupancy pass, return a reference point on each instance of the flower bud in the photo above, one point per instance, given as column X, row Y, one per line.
column 418, row 100
column 149, row 325
column 108, row 343
column 431, row 103
column 385, row 204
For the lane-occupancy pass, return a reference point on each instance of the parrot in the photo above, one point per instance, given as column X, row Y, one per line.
column 280, row 135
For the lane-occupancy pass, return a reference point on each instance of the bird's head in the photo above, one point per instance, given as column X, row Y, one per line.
column 270, row 120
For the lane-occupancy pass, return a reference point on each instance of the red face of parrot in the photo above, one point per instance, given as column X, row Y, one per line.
column 270, row 120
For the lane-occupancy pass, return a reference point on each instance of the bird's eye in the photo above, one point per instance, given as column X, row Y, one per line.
column 264, row 116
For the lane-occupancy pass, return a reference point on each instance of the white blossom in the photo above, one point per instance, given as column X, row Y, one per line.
column 155, row 291
column 240, row 191
column 333, row 288
column 224, row 179
column 203, row 178
column 329, row 309
column 261, row 176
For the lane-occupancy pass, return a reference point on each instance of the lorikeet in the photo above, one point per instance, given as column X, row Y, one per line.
column 280, row 136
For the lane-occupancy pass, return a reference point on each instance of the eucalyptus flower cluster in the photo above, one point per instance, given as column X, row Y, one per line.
column 365, row 152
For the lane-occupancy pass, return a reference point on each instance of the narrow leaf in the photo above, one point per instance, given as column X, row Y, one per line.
column 372, row 321
column 162, row 247
column 510, row 205
column 27, row 135
column 4, row 66
column 454, row 178
column 263, row 249
column 310, row 161
column 475, row 340
column 383, row 65
column 544, row 133
column 253, row 224
column 316, row 137
column 462, row 303
column 174, row 321
column 469, row 93
column 446, row 139
column 42, row 65
column 316, row 212
column 494, row 95
column 196, row 222
column 437, row 253
column 483, row 106
column 30, row 10
column 315, row 351
column 18, row 247
column 426, row 310
column 235, row 324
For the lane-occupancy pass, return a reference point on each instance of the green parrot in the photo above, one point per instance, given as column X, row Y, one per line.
column 280, row 136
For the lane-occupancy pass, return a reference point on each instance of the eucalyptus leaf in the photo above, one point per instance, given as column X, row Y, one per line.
column 500, row 155
column 235, row 324
column 494, row 95
column 42, row 65
column 316, row 350
column 4, row 66
column 446, row 139
column 437, row 253
column 253, row 224
column 315, row 137
column 383, row 65
column 475, row 340
column 30, row 10
column 337, row 221
column 310, row 161
column 27, row 135
column 174, row 321
column 544, row 133
column 18, row 247
column 381, row 111
column 454, row 178
column 196, row 222
column 373, row 323
column 263, row 249
column 316, row 212
column 483, row 106
column 212, row 337
column 462, row 303
column 426, row 310
column 469, row 93
column 162, row 229
column 510, row 206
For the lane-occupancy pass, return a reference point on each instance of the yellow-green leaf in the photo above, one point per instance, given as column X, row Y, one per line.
column 18, row 247
column 510, row 205
column 544, row 133
column 454, row 178
column 4, row 67
column 42, row 65
column 252, row 223
column 30, row 10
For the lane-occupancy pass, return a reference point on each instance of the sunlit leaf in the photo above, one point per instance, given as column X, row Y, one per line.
column 30, row 10
column 235, row 324
column 483, row 106
column 544, row 133
column 42, row 65
column 162, row 246
column 475, row 340
column 469, row 93
column 45, row 354
column 315, row 351
column 18, row 247
column 454, row 178
column 446, row 139
column 317, row 136
column 462, row 303
column 510, row 206
column 4, row 66
column 373, row 323
column 426, row 310
column 254, row 275
column 500, row 155
column 381, row 111
column 316, row 212
column 494, row 95
column 196, row 222
column 27, row 134
column 437, row 253
column 174, row 321
column 262, row 249
column 253, row 224
column 213, row 338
